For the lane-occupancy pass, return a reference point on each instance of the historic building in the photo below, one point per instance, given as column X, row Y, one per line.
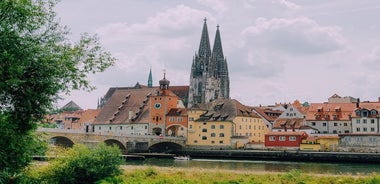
column 224, row 123
column 365, row 118
column 142, row 110
column 209, row 78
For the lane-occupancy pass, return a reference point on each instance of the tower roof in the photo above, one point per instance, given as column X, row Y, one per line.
column 217, row 51
column 150, row 78
column 204, row 46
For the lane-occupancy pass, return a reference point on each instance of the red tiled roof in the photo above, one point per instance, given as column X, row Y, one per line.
column 323, row 111
column 267, row 113
column 126, row 102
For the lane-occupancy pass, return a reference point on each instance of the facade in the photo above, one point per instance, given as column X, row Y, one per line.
column 209, row 78
column 224, row 123
column 330, row 118
column 292, row 119
column 268, row 115
column 141, row 111
column 86, row 119
column 320, row 143
column 284, row 139
column 365, row 118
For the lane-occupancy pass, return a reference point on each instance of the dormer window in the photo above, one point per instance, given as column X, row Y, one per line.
column 365, row 113
column 357, row 112
column 373, row 112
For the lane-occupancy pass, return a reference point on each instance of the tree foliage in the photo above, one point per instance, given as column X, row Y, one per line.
column 37, row 62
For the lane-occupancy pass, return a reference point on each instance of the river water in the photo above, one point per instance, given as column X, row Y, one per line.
column 263, row 166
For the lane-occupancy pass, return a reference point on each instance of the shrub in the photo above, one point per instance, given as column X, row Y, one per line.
column 80, row 165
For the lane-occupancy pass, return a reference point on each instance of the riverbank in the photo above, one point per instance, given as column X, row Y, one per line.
column 168, row 175
column 304, row 156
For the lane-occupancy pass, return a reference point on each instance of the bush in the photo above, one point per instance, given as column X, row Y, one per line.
column 80, row 165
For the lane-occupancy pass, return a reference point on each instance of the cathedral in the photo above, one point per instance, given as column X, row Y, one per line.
column 209, row 78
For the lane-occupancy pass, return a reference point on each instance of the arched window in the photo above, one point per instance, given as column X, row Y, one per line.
column 221, row 135
column 212, row 134
column 204, row 130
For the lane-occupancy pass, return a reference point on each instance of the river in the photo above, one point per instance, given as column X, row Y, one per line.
column 263, row 166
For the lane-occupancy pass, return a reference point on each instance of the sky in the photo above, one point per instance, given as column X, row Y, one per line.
column 277, row 51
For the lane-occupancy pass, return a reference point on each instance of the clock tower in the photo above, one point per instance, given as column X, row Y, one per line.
column 160, row 105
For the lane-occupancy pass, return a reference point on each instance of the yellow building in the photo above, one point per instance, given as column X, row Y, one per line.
column 322, row 143
column 224, row 123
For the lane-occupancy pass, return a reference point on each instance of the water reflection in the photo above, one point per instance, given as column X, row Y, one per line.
column 263, row 166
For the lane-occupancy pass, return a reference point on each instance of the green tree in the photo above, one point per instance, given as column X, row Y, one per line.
column 37, row 62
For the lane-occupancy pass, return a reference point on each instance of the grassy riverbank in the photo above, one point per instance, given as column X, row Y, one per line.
column 168, row 175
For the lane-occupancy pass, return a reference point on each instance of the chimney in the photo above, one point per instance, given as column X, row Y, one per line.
column 357, row 103
column 286, row 129
column 130, row 114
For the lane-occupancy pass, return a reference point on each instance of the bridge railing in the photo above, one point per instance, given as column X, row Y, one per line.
column 71, row 131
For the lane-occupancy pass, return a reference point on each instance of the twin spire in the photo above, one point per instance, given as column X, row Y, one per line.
column 204, row 46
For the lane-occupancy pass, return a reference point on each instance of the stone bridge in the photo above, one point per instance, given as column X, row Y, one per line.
column 127, row 143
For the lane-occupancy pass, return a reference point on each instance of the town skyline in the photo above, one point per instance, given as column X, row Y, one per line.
column 277, row 51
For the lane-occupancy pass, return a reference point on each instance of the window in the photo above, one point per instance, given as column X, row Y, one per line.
column 100, row 128
column 221, row 135
column 282, row 138
column 179, row 119
column 204, row 123
column 212, row 134
column 372, row 129
column 195, row 141
column 204, row 130
column 131, row 127
column 212, row 126
column 292, row 138
column 335, row 124
column 249, row 126
column 221, row 126
column 191, row 126
column 364, row 129
column 358, row 121
column 121, row 128
column 324, row 124
column 312, row 123
column 272, row 138
column 110, row 128
column 240, row 127
column 204, row 138
column 212, row 142
column 344, row 124
column 182, row 128
column 220, row 142
column 364, row 121
column 171, row 119
column 372, row 121
column 358, row 129
column 191, row 119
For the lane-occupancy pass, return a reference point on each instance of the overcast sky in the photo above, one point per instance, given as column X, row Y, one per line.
column 276, row 50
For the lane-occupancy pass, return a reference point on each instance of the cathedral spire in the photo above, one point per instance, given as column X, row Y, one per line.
column 150, row 79
column 204, row 46
column 217, row 51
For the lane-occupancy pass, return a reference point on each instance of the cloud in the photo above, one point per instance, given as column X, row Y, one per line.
column 296, row 36
column 288, row 4
column 216, row 5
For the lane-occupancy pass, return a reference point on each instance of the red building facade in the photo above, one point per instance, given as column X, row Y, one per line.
column 284, row 139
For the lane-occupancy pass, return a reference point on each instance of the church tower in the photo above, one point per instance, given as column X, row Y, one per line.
column 209, row 72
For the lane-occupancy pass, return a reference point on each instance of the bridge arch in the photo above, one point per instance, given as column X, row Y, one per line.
column 112, row 142
column 62, row 141
column 165, row 147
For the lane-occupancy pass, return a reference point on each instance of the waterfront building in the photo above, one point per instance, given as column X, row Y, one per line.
column 86, row 120
column 330, row 118
column 267, row 114
column 292, row 119
column 224, row 123
column 284, row 139
column 320, row 143
column 209, row 79
column 365, row 118
column 141, row 110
